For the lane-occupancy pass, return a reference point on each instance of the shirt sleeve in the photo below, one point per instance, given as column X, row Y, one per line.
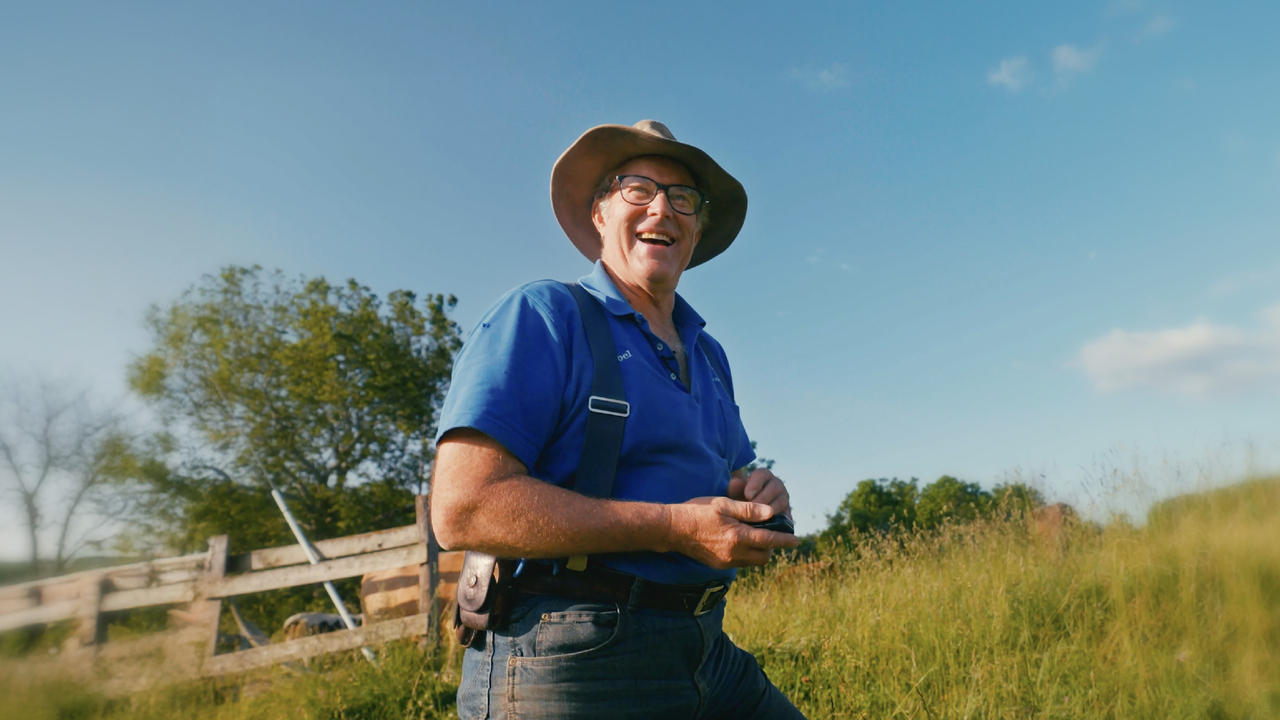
column 510, row 377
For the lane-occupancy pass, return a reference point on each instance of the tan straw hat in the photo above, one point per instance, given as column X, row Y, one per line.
column 602, row 148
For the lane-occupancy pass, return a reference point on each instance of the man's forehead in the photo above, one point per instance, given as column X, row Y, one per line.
column 675, row 170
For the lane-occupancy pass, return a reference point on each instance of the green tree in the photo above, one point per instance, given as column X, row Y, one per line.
column 325, row 391
column 1011, row 500
column 874, row 506
column 950, row 500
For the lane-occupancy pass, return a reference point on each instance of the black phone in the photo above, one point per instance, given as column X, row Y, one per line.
column 777, row 523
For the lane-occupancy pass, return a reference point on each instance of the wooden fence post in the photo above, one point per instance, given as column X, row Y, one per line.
column 215, row 569
column 429, row 571
column 89, row 632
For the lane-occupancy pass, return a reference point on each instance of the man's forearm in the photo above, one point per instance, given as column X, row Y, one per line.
column 522, row 516
column 482, row 498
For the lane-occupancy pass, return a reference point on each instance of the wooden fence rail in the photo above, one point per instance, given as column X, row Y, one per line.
column 202, row 581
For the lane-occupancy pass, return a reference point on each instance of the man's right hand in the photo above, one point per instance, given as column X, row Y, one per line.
column 713, row 531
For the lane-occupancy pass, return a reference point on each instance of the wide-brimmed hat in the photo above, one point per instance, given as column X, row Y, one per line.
column 580, row 169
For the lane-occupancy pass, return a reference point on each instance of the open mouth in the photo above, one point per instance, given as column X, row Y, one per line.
column 651, row 238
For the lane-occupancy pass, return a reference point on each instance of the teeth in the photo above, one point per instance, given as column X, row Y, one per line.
column 654, row 236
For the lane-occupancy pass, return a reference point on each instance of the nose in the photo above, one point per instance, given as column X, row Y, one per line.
column 660, row 204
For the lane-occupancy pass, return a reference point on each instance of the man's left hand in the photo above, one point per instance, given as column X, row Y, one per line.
column 761, row 486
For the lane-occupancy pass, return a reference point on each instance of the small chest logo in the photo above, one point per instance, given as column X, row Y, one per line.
column 626, row 355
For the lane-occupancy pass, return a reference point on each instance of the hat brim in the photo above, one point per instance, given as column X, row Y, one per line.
column 605, row 147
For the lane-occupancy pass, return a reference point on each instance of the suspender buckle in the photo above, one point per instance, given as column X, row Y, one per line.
column 710, row 597
column 608, row 406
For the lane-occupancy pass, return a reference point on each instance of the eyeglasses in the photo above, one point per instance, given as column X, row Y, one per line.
column 640, row 190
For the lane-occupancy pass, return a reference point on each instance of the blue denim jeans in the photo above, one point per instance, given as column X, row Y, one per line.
column 565, row 659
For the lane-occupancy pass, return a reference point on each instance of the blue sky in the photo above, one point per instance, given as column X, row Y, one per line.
column 1011, row 243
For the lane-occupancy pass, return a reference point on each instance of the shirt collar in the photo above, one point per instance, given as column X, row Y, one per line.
column 601, row 286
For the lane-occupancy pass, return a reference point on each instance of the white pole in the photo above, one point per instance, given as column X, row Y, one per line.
column 312, row 556
column 314, row 559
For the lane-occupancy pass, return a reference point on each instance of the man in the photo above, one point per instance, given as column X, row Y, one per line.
column 637, row 633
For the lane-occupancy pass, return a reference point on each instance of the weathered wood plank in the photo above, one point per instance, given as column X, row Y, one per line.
column 333, row 548
column 311, row 574
column 194, row 561
column 146, row 597
column 111, row 601
column 59, row 591
column 67, row 595
column 40, row 615
column 18, row 602
column 153, row 577
column 303, row 648
column 32, row 589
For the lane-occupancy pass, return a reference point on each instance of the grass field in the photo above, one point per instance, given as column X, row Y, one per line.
column 1176, row 619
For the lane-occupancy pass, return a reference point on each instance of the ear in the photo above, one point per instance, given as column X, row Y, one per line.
column 598, row 208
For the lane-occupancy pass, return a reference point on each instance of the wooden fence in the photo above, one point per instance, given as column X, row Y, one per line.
column 199, row 584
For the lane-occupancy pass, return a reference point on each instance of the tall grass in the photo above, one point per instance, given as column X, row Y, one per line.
column 407, row 684
column 1177, row 620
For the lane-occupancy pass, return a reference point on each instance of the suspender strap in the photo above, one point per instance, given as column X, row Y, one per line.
column 608, row 406
column 597, row 468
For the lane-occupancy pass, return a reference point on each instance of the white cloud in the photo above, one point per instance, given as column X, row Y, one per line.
column 832, row 77
column 1013, row 74
column 1071, row 60
column 1199, row 359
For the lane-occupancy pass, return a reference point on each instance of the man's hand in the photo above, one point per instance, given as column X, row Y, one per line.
column 761, row 486
column 713, row 531
column 481, row 498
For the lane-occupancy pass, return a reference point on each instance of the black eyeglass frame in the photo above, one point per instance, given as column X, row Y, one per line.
column 702, row 199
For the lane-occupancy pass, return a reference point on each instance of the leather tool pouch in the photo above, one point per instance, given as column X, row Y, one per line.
column 485, row 595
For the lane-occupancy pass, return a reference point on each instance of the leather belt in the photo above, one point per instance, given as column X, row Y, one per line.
column 600, row 583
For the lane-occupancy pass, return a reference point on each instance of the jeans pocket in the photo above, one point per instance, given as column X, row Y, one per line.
column 575, row 632
column 566, row 663
column 594, row 665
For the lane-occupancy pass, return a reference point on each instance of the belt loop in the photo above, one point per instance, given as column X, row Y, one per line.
column 633, row 600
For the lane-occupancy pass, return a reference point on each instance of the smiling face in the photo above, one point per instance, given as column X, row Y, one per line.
column 646, row 246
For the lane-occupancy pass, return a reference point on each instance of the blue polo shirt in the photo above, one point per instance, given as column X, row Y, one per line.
column 523, row 378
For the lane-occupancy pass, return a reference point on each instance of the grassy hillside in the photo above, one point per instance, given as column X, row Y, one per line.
column 1179, row 619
